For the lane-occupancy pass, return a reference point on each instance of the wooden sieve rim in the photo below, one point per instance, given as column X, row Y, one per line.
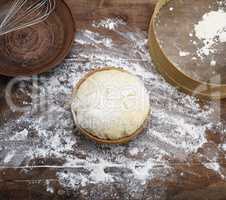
column 91, row 136
column 173, row 74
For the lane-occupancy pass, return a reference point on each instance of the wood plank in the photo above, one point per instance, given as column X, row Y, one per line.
column 136, row 13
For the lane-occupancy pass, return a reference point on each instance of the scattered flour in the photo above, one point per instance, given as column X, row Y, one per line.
column 213, row 165
column 108, row 23
column 49, row 187
column 224, row 147
column 22, row 135
column 211, row 30
column 9, row 157
column 176, row 128
column 71, row 180
column 134, row 151
column 184, row 53
column 213, row 63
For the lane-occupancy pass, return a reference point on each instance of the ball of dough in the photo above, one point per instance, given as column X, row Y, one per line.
column 110, row 104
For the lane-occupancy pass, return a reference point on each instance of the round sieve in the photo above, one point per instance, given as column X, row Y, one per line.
column 194, row 64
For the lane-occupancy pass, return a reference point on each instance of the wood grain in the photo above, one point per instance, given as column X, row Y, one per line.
column 196, row 183
column 135, row 12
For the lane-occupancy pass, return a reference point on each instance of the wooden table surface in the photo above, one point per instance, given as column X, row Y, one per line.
column 16, row 184
column 135, row 12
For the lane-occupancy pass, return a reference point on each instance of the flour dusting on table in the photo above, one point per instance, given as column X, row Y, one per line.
column 177, row 127
column 109, row 23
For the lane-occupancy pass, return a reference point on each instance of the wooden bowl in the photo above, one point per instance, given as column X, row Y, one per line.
column 88, row 134
column 38, row 48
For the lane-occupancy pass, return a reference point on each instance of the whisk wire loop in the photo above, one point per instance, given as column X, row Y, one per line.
column 24, row 13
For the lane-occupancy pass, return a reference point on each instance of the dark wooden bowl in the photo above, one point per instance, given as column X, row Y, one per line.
column 38, row 48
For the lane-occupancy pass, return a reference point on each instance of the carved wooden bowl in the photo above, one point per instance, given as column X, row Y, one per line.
column 40, row 47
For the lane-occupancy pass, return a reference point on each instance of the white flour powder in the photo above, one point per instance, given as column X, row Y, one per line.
column 211, row 30
column 176, row 128
column 108, row 23
column 184, row 53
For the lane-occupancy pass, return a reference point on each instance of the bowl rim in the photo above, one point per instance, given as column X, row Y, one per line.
column 57, row 60
column 172, row 73
column 93, row 137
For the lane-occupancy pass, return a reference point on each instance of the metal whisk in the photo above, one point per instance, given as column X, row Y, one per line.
column 19, row 14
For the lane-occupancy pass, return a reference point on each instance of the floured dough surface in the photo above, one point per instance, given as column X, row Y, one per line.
column 111, row 104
